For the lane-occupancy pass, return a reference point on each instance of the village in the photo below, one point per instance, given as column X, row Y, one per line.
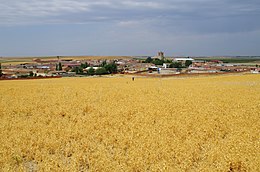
column 156, row 66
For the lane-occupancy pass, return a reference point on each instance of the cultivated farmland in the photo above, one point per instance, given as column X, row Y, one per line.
column 116, row 124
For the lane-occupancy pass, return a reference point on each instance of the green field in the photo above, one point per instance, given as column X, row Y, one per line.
column 239, row 59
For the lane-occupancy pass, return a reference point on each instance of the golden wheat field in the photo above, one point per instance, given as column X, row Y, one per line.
column 116, row 124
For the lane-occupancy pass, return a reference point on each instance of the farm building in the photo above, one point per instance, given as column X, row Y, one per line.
column 183, row 60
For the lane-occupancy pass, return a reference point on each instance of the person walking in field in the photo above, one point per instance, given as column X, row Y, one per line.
column 133, row 78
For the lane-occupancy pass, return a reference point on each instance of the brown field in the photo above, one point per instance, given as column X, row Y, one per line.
column 115, row 124
column 19, row 60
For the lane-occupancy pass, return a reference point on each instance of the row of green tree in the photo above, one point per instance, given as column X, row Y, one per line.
column 173, row 64
column 180, row 65
column 104, row 68
column 157, row 61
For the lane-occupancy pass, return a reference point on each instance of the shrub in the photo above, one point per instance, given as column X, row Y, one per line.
column 175, row 65
column 101, row 71
column 91, row 71
column 111, row 67
column 188, row 63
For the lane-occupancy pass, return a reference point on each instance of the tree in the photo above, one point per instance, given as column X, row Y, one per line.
column 84, row 65
column 103, row 64
column 60, row 66
column 78, row 70
column 111, row 67
column 1, row 70
column 158, row 61
column 175, row 65
column 101, row 71
column 148, row 60
column 167, row 61
column 188, row 63
column 91, row 71
column 31, row 74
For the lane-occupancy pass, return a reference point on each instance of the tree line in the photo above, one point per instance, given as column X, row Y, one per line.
column 173, row 64
column 103, row 68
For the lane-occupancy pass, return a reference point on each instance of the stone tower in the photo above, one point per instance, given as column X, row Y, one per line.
column 160, row 55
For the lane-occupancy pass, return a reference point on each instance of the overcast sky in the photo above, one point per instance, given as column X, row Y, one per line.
column 121, row 27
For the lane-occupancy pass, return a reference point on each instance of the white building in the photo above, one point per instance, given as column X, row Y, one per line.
column 182, row 59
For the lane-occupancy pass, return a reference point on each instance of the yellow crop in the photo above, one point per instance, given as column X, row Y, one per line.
column 116, row 124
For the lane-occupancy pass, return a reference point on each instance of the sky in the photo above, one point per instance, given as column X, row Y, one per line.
column 134, row 28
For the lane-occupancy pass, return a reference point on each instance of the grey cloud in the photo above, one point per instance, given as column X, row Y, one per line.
column 35, row 12
column 165, row 16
